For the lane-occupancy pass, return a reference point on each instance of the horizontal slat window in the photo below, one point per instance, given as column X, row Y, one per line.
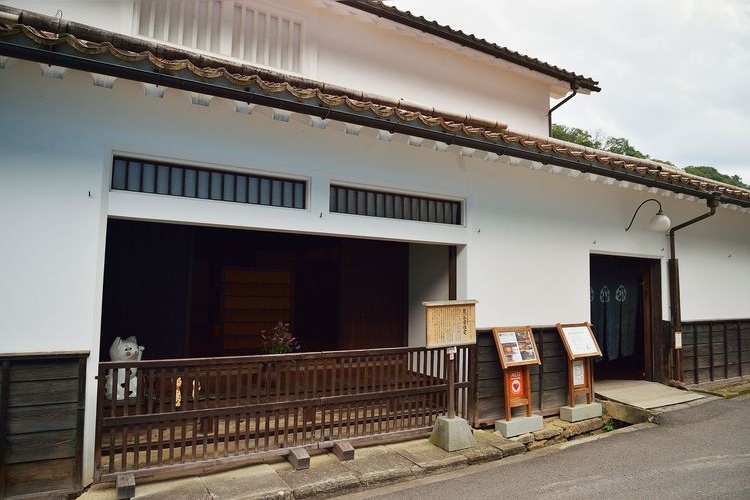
column 356, row 201
column 224, row 27
column 191, row 182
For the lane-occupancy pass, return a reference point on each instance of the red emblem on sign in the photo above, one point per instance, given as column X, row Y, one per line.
column 515, row 384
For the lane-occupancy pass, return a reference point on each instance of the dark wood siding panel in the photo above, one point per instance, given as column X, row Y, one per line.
column 42, row 476
column 37, row 446
column 715, row 350
column 42, row 418
column 43, row 370
column 43, row 392
column 42, row 432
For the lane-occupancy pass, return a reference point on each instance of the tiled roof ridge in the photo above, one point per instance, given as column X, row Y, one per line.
column 546, row 145
column 377, row 7
column 662, row 168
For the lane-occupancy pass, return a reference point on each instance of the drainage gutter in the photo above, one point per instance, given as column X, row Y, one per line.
column 674, row 285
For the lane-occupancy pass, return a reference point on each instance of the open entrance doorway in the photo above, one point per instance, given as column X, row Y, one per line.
column 625, row 314
column 192, row 291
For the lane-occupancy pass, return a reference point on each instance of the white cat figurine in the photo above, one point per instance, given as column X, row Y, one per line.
column 123, row 350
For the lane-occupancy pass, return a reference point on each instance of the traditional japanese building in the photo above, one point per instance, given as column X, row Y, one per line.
column 190, row 173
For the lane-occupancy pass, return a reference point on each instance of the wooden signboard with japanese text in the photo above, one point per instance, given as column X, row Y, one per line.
column 581, row 346
column 579, row 340
column 516, row 346
column 517, row 350
column 451, row 323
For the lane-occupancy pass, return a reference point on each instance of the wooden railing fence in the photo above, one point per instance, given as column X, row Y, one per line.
column 193, row 413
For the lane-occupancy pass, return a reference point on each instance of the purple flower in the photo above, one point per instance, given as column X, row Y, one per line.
column 279, row 340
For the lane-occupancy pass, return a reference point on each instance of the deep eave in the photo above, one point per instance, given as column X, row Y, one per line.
column 315, row 99
column 406, row 18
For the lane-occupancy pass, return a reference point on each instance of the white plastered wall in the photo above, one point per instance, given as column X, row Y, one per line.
column 381, row 58
column 428, row 280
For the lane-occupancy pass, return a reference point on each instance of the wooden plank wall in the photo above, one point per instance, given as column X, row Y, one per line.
column 715, row 350
column 41, row 410
column 549, row 381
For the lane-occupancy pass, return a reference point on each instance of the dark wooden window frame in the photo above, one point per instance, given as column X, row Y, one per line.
column 394, row 205
column 164, row 178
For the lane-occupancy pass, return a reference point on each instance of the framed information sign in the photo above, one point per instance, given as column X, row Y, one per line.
column 451, row 323
column 516, row 346
column 581, row 346
column 579, row 340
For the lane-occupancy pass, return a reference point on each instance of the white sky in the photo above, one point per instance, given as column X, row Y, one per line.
column 674, row 73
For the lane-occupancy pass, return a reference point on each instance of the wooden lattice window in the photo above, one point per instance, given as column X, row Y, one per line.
column 143, row 176
column 391, row 205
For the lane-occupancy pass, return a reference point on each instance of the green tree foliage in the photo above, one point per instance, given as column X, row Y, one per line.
column 620, row 145
column 576, row 136
column 713, row 174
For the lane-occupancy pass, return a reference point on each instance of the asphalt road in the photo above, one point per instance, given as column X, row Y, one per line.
column 697, row 452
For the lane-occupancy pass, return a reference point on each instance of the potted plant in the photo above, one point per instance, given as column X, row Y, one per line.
column 279, row 340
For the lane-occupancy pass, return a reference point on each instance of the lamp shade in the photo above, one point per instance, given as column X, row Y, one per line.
column 660, row 222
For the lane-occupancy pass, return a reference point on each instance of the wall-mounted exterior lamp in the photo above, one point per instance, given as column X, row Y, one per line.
column 659, row 222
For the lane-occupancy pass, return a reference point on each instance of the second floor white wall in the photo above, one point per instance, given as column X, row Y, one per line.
column 325, row 41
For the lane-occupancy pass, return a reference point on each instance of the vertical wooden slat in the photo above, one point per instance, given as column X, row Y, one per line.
column 149, row 443
column 726, row 349
column 247, row 432
column 279, row 41
column 267, row 426
column 4, row 403
column 243, row 25
column 162, row 387
column 136, row 445
column 194, row 32
column 257, row 430
column 711, row 352
column 739, row 347
column 124, row 447
column 151, row 19
column 267, row 41
column 167, row 16
column 181, row 30
column 695, row 354
column 254, row 40
column 290, row 45
column 100, row 382
column 183, row 438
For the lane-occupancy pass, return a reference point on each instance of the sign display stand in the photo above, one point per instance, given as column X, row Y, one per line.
column 451, row 323
column 517, row 351
column 580, row 345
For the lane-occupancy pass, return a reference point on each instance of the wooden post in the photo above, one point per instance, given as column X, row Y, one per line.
column 451, row 354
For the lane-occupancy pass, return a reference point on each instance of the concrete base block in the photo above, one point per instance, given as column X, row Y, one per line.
column 343, row 450
column 580, row 412
column 452, row 434
column 519, row 425
column 125, row 486
column 299, row 458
